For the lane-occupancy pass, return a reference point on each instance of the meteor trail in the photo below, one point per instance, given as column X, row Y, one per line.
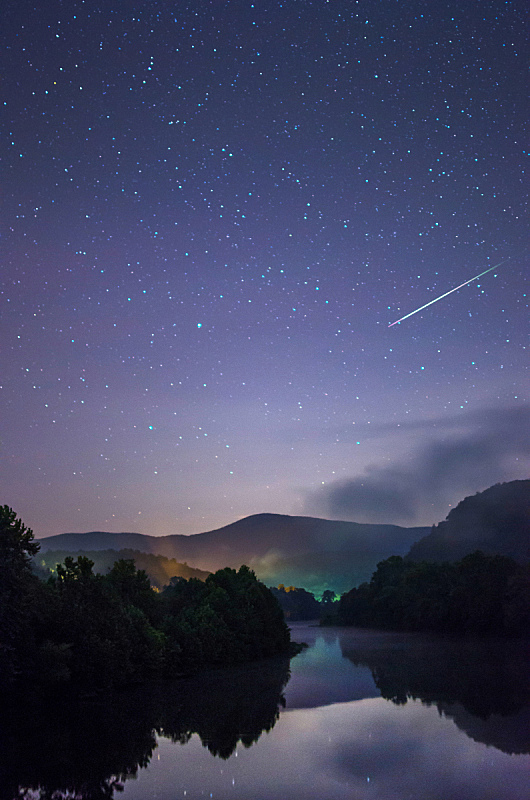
column 449, row 292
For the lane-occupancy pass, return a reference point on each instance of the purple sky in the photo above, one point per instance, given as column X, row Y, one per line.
column 211, row 214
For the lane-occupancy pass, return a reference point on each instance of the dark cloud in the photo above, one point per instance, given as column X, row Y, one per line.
column 483, row 450
column 381, row 492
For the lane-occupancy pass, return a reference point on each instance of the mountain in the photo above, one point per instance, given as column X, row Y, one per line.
column 496, row 521
column 317, row 553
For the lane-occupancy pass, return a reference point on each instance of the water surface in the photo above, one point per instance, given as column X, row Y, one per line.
column 359, row 715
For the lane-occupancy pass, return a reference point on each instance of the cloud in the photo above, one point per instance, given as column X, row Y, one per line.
column 477, row 451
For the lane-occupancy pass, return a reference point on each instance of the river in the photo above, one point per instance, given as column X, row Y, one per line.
column 358, row 715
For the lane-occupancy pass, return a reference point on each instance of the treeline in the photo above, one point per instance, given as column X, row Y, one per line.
column 298, row 604
column 94, row 631
column 159, row 569
column 480, row 594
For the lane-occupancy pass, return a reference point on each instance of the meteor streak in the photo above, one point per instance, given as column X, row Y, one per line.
column 449, row 292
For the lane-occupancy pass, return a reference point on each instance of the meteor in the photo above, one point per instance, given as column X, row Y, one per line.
column 449, row 292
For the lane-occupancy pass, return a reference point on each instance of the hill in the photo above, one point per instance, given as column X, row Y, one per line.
column 496, row 521
column 309, row 552
column 159, row 568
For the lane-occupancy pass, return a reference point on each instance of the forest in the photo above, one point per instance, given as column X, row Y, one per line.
column 479, row 595
column 96, row 632
column 159, row 569
column 299, row 604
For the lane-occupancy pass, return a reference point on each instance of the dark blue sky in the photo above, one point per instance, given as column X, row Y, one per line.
column 211, row 214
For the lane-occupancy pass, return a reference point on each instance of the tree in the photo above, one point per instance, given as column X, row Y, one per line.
column 95, row 632
column 297, row 603
column 132, row 586
column 480, row 595
column 229, row 618
column 80, row 569
column 17, row 546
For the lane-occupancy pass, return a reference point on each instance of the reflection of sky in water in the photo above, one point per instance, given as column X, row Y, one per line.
column 332, row 744
column 367, row 750
column 321, row 675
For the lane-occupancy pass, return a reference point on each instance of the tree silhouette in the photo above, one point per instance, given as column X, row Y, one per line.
column 97, row 632
column 17, row 585
column 480, row 595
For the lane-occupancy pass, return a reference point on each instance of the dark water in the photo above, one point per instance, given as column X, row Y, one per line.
column 357, row 715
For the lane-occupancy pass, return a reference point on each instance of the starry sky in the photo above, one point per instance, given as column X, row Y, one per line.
column 211, row 214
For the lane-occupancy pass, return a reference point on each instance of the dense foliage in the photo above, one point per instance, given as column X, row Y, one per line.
column 159, row 569
column 297, row 603
column 16, row 584
column 481, row 594
column 93, row 631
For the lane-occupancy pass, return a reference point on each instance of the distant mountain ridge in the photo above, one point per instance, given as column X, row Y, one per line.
column 318, row 552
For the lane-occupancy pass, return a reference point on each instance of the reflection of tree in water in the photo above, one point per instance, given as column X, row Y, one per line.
column 84, row 751
column 235, row 707
column 72, row 750
column 481, row 684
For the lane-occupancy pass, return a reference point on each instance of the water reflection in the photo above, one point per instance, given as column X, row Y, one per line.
column 482, row 685
column 55, row 750
column 321, row 675
column 364, row 714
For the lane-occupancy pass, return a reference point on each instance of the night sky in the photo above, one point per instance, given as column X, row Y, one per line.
column 212, row 212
